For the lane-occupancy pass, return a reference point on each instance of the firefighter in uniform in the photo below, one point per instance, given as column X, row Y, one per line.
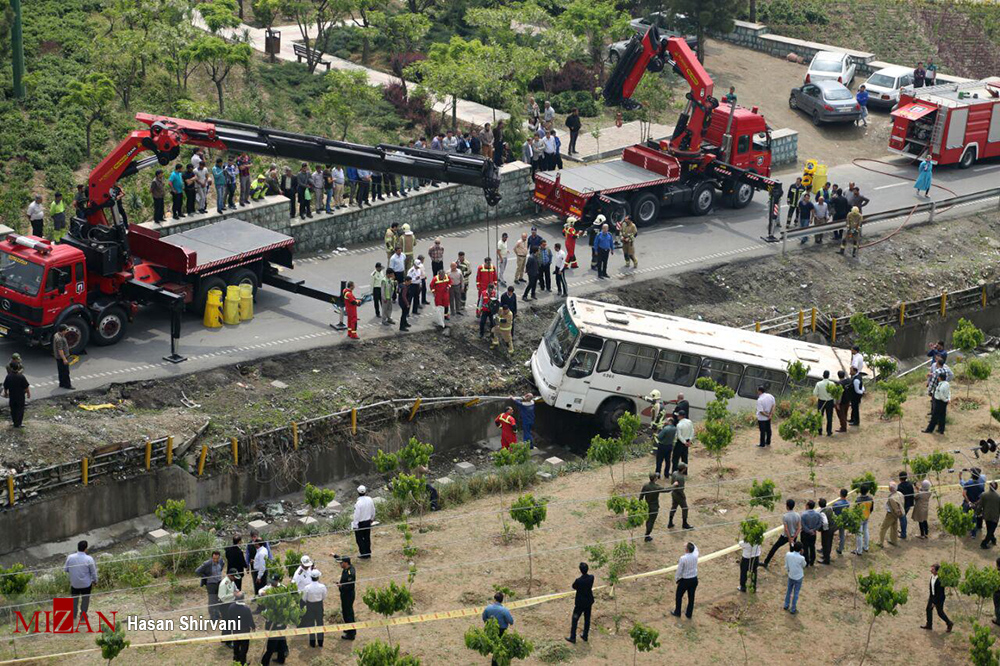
column 570, row 233
column 391, row 240
column 629, row 232
column 409, row 243
column 351, row 308
column 504, row 329
column 795, row 193
column 657, row 414
column 441, row 287
column 508, row 428
column 854, row 220
column 313, row 595
column 486, row 275
column 488, row 306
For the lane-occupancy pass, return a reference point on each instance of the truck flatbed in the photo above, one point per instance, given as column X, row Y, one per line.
column 614, row 176
column 225, row 242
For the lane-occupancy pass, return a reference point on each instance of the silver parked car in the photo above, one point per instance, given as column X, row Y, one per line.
column 826, row 102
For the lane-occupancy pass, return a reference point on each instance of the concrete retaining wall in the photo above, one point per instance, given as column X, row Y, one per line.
column 429, row 209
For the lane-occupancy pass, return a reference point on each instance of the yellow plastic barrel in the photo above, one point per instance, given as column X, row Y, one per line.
column 231, row 306
column 246, row 302
column 213, row 309
column 819, row 178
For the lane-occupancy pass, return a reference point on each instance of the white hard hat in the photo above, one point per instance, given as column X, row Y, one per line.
column 314, row 574
column 406, row 226
column 362, row 490
column 653, row 395
column 306, row 561
column 572, row 219
column 600, row 219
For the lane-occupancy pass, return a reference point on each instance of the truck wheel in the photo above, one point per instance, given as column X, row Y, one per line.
column 645, row 209
column 703, row 198
column 207, row 285
column 742, row 195
column 78, row 334
column 244, row 276
column 612, row 410
column 110, row 326
column 968, row 158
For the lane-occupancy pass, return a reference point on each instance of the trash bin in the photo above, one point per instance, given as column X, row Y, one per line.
column 246, row 302
column 213, row 309
column 272, row 42
column 231, row 307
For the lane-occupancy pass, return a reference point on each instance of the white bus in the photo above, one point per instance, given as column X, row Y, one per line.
column 601, row 359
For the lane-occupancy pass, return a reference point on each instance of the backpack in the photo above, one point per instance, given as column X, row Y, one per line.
column 866, row 509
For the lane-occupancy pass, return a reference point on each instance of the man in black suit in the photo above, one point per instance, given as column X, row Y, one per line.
column 238, row 611
column 235, row 559
column 935, row 601
column 584, row 586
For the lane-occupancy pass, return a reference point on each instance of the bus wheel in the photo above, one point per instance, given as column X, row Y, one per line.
column 610, row 411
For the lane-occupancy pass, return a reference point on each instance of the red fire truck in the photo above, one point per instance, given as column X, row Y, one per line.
column 715, row 147
column 954, row 123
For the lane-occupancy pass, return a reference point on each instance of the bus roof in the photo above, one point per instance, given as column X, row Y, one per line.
column 703, row 339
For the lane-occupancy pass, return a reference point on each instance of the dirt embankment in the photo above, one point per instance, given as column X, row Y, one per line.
column 241, row 399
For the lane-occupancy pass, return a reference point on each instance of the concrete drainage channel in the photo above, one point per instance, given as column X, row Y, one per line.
column 114, row 511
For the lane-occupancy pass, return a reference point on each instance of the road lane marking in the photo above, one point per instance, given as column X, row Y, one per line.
column 885, row 187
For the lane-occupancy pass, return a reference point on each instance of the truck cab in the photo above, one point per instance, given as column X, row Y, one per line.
column 42, row 285
column 751, row 138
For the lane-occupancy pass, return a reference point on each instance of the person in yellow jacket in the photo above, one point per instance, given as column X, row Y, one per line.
column 391, row 240
column 504, row 329
column 629, row 232
column 409, row 243
column 57, row 209
column 854, row 221
column 259, row 187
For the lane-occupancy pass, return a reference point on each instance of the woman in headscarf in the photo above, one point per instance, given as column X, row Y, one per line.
column 923, row 181
column 921, row 505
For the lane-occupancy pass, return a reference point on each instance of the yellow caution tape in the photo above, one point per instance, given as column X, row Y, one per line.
column 95, row 408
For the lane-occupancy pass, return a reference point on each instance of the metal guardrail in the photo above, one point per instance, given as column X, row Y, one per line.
column 930, row 207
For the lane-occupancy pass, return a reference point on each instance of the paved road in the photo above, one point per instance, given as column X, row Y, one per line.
column 286, row 323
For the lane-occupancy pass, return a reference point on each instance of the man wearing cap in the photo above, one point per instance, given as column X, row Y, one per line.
column 346, row 589
column 677, row 496
column 665, row 438
column 211, row 575
column 521, row 257
column 227, row 595
column 313, row 595
column 364, row 514
column 301, row 578
column 238, row 611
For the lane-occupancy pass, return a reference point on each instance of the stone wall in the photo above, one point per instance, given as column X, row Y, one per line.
column 431, row 208
column 784, row 147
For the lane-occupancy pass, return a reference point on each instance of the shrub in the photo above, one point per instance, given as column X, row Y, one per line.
column 281, row 606
column 112, row 642
column 176, row 517
column 113, row 573
column 504, row 648
column 387, row 601
column 565, row 102
column 411, row 105
column 293, row 559
column 342, row 41
column 573, row 76
column 377, row 653
column 13, row 582
column 318, row 497
column 187, row 551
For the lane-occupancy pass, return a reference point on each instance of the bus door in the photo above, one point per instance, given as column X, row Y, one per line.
column 580, row 373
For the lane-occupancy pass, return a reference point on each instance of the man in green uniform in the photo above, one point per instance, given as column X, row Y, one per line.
column 629, row 232
column 346, row 588
column 651, row 493
column 678, row 499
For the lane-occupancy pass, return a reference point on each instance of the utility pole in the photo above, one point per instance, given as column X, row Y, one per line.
column 17, row 49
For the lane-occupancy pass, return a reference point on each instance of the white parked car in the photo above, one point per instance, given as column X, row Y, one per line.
column 884, row 85
column 831, row 66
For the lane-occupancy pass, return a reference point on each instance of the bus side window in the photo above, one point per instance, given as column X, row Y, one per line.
column 727, row 374
column 634, row 360
column 675, row 368
column 591, row 343
column 774, row 380
column 607, row 356
column 582, row 365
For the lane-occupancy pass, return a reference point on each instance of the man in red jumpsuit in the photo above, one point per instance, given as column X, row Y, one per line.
column 351, row 307
column 486, row 275
column 570, row 232
column 508, row 428
column 441, row 286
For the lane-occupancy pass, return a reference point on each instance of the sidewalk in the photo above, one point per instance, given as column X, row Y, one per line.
column 468, row 112
column 612, row 142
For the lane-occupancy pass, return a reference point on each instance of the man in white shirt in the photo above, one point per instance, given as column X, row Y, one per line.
column 260, row 565
column 313, row 595
column 201, row 188
column 857, row 360
column 939, row 409
column 559, row 268
column 549, row 159
column 364, row 514
column 301, row 578
column 337, row 173
column 82, row 577
column 687, row 579
column 795, row 565
column 685, row 436
column 502, row 254
column 549, row 116
column 36, row 216
column 765, row 408
column 748, row 565
column 397, row 265
column 824, row 401
column 197, row 160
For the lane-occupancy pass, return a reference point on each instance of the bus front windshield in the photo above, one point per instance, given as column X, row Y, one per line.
column 561, row 337
column 20, row 274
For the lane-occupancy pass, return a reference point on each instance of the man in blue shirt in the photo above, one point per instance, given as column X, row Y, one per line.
column 526, row 409
column 177, row 193
column 352, row 184
column 545, row 265
column 972, row 489
column 838, row 506
column 219, row 179
column 805, row 214
column 497, row 611
column 604, row 242
column 534, row 240
column 862, row 98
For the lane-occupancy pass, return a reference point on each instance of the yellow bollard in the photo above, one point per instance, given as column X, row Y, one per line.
column 201, row 459
column 354, row 420
column 472, row 403
column 756, row 326
column 170, row 450
column 246, row 302
column 812, row 323
column 295, row 436
column 213, row 309
column 944, row 303
column 833, row 330
column 802, row 321
column 84, row 471
column 149, row 452
column 902, row 313
column 982, row 296
column 416, row 406
column 231, row 306
column 10, row 490
column 236, row 452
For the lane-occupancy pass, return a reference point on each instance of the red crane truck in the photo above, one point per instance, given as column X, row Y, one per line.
column 954, row 123
column 96, row 278
column 715, row 147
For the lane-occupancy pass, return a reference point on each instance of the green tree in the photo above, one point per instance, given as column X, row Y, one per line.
column 982, row 583
column 981, row 652
column 850, row 520
column 387, row 601
column 219, row 57
column 763, row 494
column 530, row 514
column 936, row 462
column 644, row 639
column 717, row 430
column 955, row 522
column 281, row 605
column 399, row 34
column 93, row 97
column 798, row 372
column 800, row 427
column 967, row 336
column 752, row 531
column 415, row 454
column 606, row 451
column 293, row 559
column 220, row 15
column 14, row 581
column 112, row 641
column 361, row 13
column 175, row 35
column 871, row 338
column 634, row 512
column 377, row 653
column 323, row 14
column 704, row 16
column 949, row 574
column 318, row 497
column 175, row 516
column 596, row 22
column 620, row 558
column 503, row 648
column 347, row 101
column 882, row 599
column 449, row 71
column 410, row 490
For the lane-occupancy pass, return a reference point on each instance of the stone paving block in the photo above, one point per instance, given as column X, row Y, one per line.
column 308, row 520
column 544, row 476
column 443, row 481
column 157, row 536
column 465, row 467
column 555, row 461
column 334, row 505
column 258, row 524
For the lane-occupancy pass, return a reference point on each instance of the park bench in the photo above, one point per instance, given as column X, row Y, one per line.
column 310, row 55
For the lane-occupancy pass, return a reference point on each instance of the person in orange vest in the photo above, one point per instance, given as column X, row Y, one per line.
column 570, row 232
column 441, row 286
column 486, row 275
column 508, row 427
column 351, row 307
column 488, row 306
